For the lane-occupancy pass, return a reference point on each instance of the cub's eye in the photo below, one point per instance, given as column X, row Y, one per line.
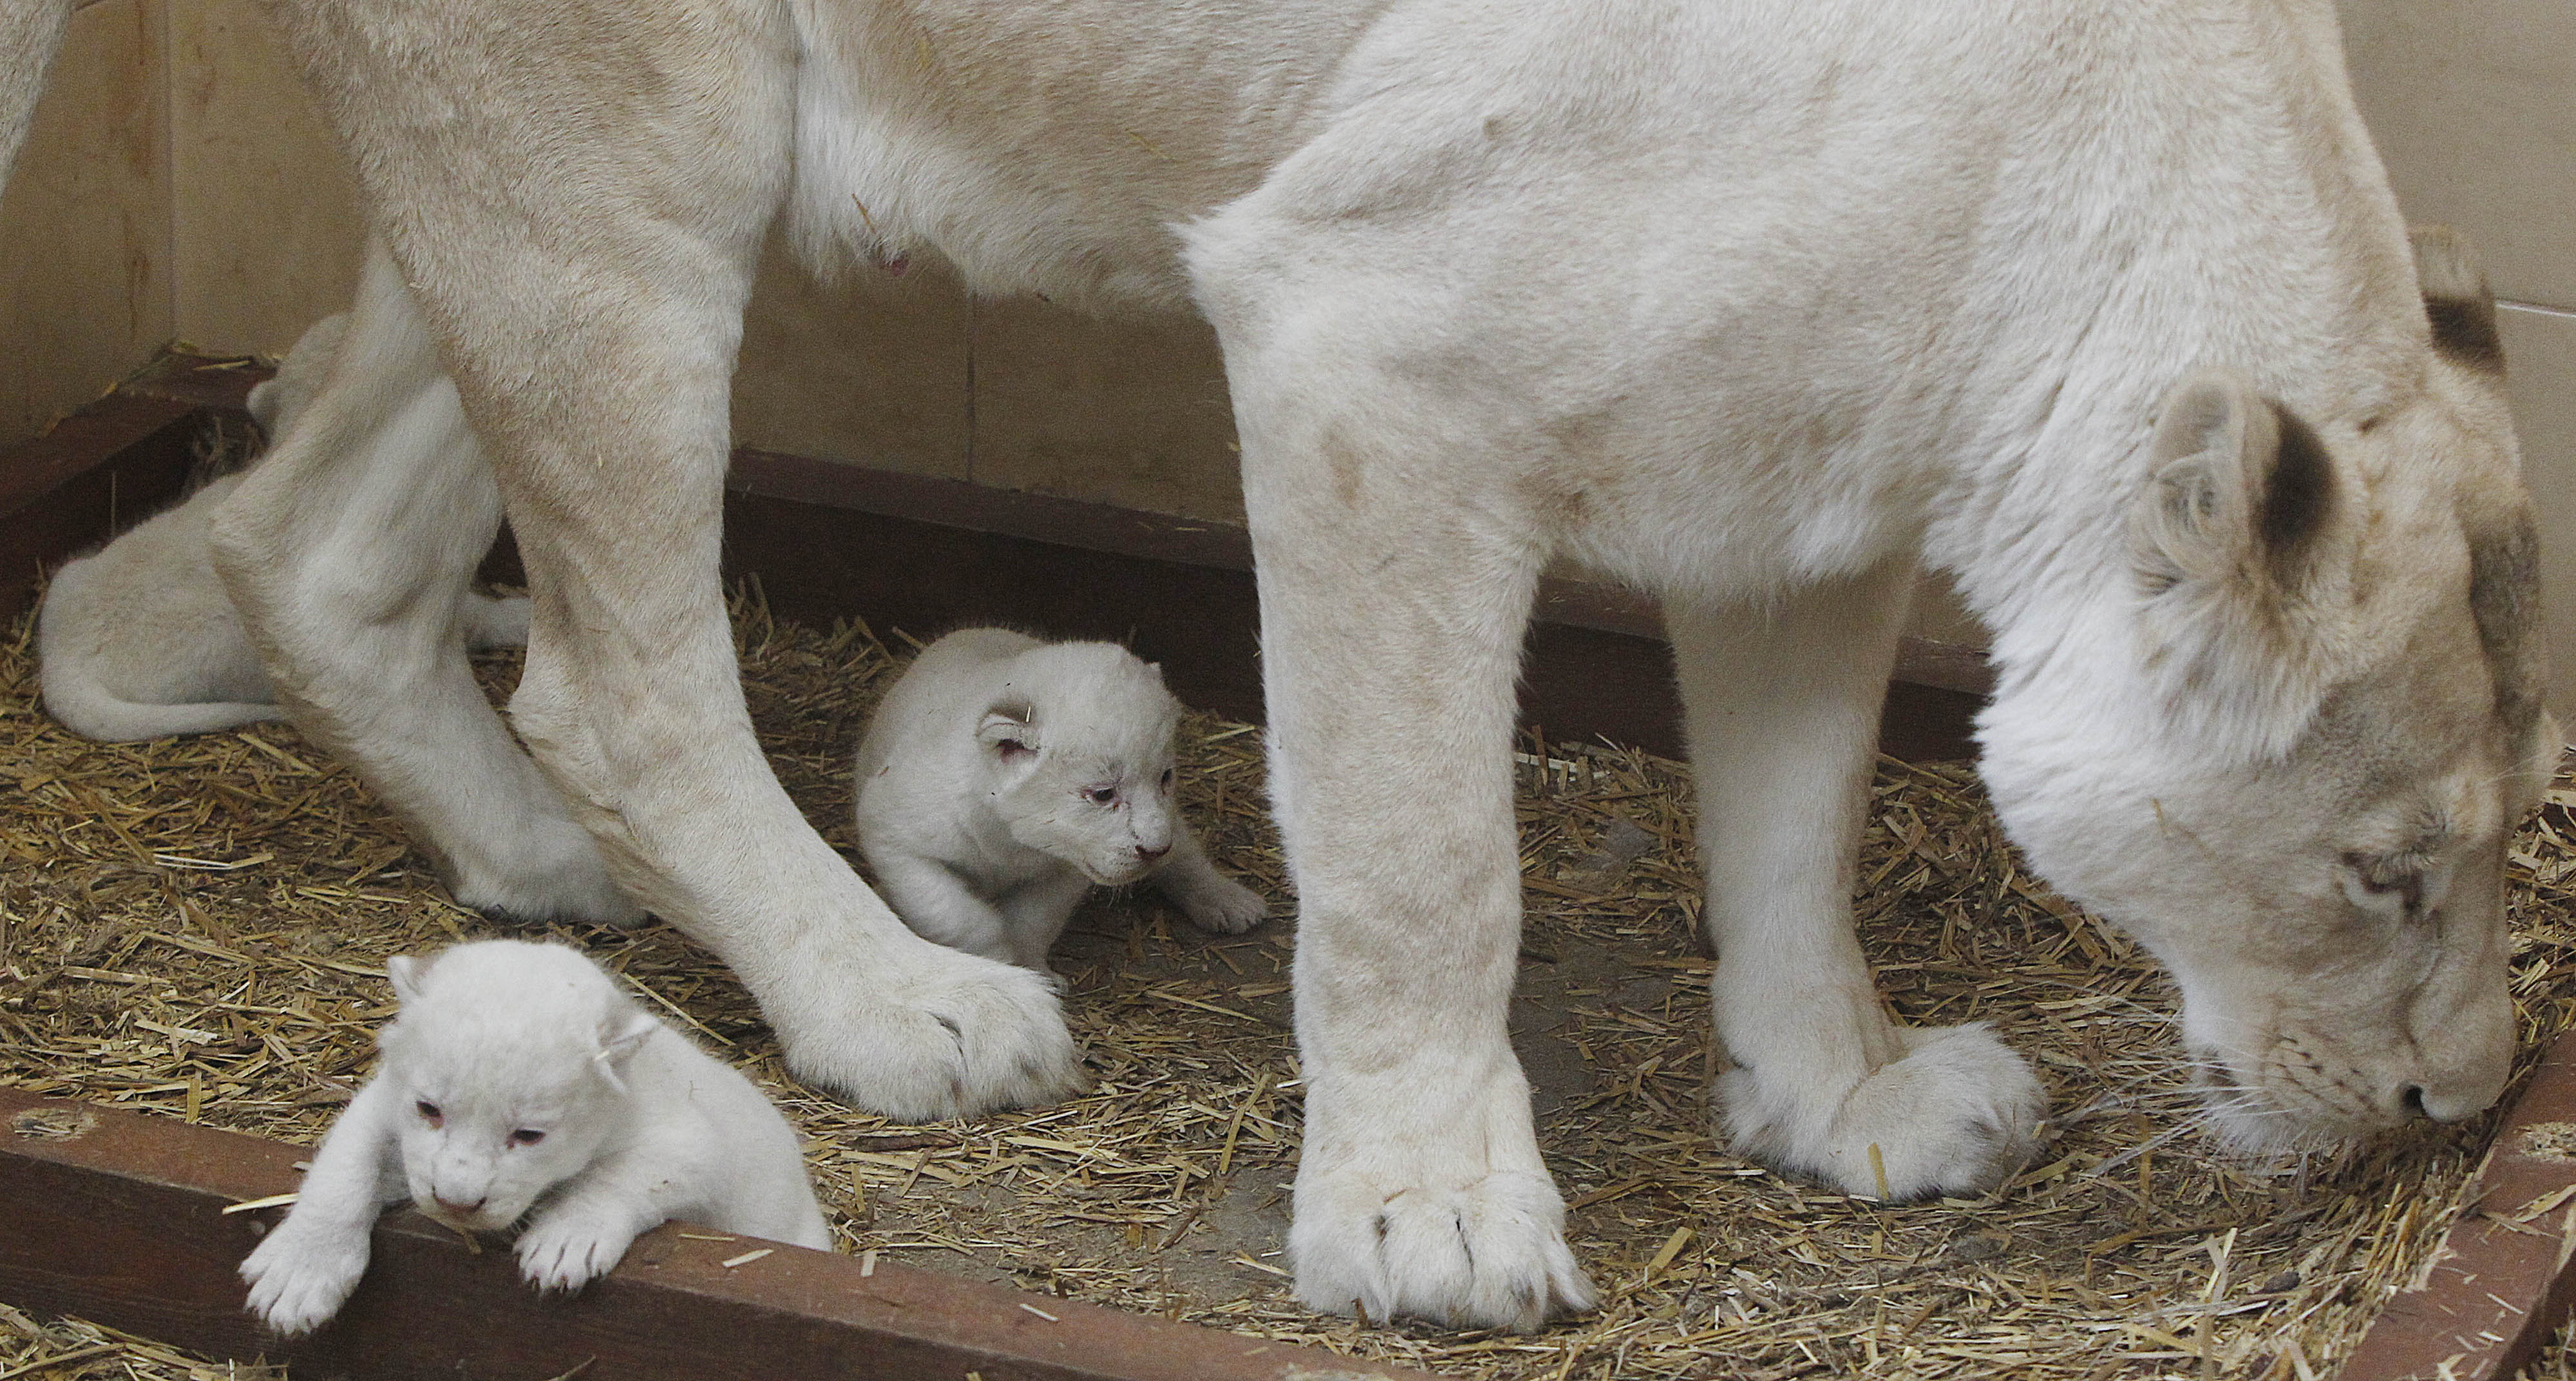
column 1167, row 779
column 526, row 1136
column 1102, row 795
column 429, row 1112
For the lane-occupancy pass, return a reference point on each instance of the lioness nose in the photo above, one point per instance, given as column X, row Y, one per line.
column 453, row 1206
column 1151, row 854
column 2440, row 1101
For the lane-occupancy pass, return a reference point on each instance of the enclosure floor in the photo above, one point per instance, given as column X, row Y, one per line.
column 198, row 928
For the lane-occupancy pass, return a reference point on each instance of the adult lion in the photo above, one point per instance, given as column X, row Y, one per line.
column 2101, row 305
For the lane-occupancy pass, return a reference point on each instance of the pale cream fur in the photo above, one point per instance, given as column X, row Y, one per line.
column 1755, row 305
column 138, row 640
column 519, row 1082
column 1002, row 778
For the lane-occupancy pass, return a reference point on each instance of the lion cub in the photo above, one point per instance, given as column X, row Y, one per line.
column 1003, row 777
column 518, row 1076
column 140, row 641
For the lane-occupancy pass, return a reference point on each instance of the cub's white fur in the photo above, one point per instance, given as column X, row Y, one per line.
column 1003, row 777
column 139, row 640
column 2103, row 306
column 520, row 1082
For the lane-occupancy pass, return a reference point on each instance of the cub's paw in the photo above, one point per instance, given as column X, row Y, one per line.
column 1958, row 1113
column 491, row 623
column 566, row 1250
column 952, row 1035
column 1488, row 1253
column 299, row 1279
column 1221, row 905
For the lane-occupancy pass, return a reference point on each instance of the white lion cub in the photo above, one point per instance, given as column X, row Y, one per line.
column 1003, row 777
column 518, row 1076
column 140, row 641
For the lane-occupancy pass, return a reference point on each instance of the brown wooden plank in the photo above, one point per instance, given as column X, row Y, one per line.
column 2501, row 1284
column 118, row 1217
column 96, row 471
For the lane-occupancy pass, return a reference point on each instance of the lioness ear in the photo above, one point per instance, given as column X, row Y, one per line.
column 1009, row 729
column 2241, row 489
column 408, row 973
column 2229, row 545
column 2457, row 303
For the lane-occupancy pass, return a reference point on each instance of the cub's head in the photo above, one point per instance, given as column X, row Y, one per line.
column 277, row 401
column 1078, row 758
column 2289, row 759
column 508, row 1058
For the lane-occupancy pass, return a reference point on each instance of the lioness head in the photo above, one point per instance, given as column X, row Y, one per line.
column 2310, row 737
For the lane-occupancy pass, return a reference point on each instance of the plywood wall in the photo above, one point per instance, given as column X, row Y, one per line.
column 179, row 185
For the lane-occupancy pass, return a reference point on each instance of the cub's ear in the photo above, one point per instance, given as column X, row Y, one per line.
column 2457, row 303
column 1010, row 729
column 2230, row 541
column 620, row 1036
column 408, row 973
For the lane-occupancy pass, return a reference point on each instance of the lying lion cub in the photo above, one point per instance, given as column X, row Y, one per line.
column 519, row 1077
column 140, row 641
column 1002, row 777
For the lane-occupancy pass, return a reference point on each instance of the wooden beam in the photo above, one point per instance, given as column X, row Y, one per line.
column 119, row 1217
column 94, row 473
column 2500, row 1283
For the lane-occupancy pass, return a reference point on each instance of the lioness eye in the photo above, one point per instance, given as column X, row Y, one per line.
column 526, row 1136
column 2379, row 878
column 429, row 1112
column 1167, row 779
column 1102, row 795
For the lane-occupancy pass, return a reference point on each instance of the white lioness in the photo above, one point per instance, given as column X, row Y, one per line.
column 138, row 640
column 2101, row 305
column 1003, row 777
column 519, row 1081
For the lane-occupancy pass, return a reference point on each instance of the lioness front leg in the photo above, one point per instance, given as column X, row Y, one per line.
column 1783, row 715
column 581, row 236
column 1392, row 610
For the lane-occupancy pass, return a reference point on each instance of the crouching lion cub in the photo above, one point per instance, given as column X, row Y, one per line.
column 139, row 640
column 1003, row 777
column 518, row 1077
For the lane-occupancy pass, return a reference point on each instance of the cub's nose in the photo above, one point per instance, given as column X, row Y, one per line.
column 1152, row 855
column 456, row 1207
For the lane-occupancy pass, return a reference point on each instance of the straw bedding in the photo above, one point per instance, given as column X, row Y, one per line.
column 197, row 928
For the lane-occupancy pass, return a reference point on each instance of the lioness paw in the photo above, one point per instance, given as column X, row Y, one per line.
column 950, row 1035
column 299, row 1279
column 1958, row 1113
column 1486, row 1254
column 558, row 875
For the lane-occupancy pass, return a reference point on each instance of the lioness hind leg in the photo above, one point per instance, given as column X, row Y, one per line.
column 347, row 552
column 577, row 198
column 1783, row 715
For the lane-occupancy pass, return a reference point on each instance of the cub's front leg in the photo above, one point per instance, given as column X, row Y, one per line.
column 939, row 906
column 303, row 1271
column 584, row 1231
column 1783, row 716
column 1212, row 901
